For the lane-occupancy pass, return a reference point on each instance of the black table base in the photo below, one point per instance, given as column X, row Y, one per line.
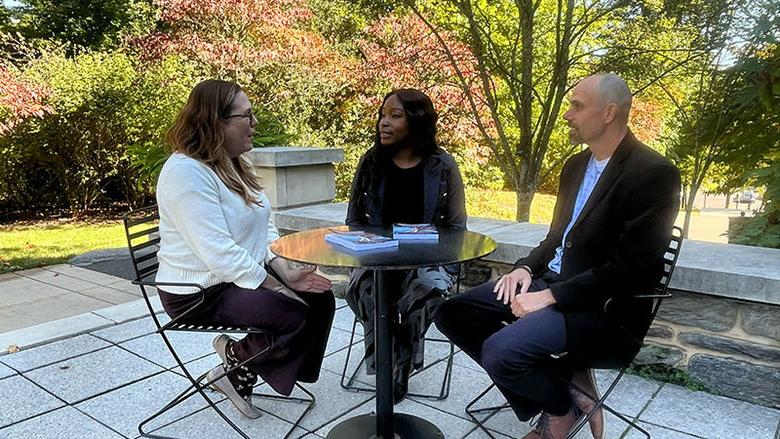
column 406, row 427
column 453, row 246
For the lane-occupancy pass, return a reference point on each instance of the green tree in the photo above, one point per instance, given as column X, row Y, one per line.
column 712, row 119
column 760, row 124
column 528, row 53
column 76, row 24
column 104, row 111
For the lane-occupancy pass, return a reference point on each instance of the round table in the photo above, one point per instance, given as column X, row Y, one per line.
column 453, row 246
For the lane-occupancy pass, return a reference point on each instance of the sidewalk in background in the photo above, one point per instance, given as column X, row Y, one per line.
column 40, row 295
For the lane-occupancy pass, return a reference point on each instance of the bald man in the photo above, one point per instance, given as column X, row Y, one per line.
column 616, row 205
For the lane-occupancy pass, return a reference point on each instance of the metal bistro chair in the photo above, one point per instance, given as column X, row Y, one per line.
column 660, row 292
column 143, row 240
column 444, row 388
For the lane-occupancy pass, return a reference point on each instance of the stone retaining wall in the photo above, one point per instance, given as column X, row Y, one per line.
column 731, row 346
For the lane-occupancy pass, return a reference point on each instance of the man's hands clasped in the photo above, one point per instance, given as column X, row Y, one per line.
column 506, row 287
column 521, row 301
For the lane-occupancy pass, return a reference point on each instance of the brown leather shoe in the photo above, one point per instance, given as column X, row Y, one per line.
column 533, row 434
column 558, row 427
column 539, row 425
column 586, row 380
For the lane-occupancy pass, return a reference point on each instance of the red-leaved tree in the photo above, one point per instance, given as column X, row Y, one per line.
column 19, row 100
column 239, row 39
column 401, row 51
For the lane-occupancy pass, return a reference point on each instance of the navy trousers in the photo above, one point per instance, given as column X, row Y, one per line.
column 514, row 352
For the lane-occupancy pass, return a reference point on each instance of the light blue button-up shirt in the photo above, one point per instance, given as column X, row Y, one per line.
column 592, row 175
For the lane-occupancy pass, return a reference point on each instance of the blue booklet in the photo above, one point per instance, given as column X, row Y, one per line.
column 359, row 241
column 415, row 232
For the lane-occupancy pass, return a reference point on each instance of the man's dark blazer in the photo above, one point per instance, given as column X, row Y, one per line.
column 614, row 250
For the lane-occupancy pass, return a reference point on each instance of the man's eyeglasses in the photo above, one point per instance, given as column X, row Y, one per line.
column 249, row 115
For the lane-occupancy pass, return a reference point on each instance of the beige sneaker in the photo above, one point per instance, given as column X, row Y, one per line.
column 225, row 387
column 220, row 344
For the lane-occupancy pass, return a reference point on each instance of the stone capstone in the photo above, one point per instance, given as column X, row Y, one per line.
column 475, row 273
column 660, row 331
column 738, row 379
column 339, row 289
column 657, row 354
column 731, row 346
column 113, row 261
column 713, row 314
column 763, row 320
column 333, row 271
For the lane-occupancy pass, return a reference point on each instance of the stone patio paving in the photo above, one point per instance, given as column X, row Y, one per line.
column 107, row 371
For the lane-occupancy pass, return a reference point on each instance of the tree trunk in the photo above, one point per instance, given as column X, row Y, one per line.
column 728, row 200
column 691, row 197
column 524, row 199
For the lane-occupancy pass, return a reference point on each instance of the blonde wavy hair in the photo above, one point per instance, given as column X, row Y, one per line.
column 198, row 132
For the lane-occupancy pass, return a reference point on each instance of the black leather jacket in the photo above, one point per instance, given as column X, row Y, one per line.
column 444, row 198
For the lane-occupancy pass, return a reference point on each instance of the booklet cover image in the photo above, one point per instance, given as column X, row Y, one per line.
column 415, row 232
column 358, row 240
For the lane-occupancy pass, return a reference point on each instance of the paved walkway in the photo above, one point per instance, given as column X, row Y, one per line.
column 96, row 374
column 41, row 295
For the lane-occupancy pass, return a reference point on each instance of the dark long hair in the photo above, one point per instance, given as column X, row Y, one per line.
column 421, row 117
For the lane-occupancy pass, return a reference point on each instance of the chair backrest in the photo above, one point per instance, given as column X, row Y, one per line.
column 659, row 293
column 670, row 262
column 143, row 240
column 670, row 258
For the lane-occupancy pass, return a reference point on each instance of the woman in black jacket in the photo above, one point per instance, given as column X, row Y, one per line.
column 405, row 178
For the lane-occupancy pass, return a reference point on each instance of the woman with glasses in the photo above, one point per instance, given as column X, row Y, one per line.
column 405, row 178
column 215, row 228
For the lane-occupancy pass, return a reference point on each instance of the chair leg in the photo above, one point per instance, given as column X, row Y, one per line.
column 310, row 400
column 600, row 404
column 349, row 385
column 628, row 421
column 444, row 390
column 196, row 387
column 492, row 411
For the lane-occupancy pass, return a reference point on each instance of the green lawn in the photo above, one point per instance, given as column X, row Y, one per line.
column 31, row 245
column 503, row 205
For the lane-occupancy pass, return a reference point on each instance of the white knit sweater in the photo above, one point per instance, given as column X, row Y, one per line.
column 208, row 234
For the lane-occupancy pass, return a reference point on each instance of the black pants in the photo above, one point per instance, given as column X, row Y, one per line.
column 300, row 330
column 514, row 352
column 414, row 297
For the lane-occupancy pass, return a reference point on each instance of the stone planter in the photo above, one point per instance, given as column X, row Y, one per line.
column 295, row 176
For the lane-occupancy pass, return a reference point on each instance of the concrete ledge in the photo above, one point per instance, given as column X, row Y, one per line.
column 129, row 311
column 282, row 156
column 44, row 333
column 727, row 270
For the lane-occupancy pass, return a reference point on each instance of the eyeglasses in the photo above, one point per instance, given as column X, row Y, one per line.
column 249, row 115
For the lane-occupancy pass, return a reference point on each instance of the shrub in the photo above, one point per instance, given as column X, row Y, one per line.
column 107, row 109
